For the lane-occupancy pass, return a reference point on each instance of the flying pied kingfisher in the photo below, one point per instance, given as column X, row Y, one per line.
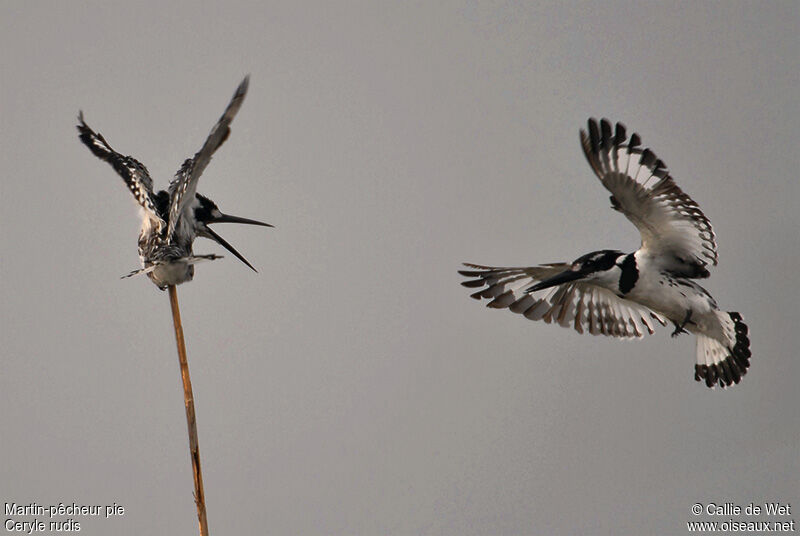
column 172, row 218
column 617, row 294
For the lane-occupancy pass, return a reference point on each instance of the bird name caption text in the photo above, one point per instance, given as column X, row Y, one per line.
column 61, row 517
column 764, row 517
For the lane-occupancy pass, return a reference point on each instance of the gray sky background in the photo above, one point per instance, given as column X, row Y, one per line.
column 352, row 387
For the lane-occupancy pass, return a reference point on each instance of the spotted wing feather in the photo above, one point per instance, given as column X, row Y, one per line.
column 670, row 222
column 133, row 172
column 183, row 187
column 579, row 305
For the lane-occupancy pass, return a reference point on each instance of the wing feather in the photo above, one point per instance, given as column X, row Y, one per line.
column 183, row 187
column 670, row 222
column 579, row 305
column 133, row 172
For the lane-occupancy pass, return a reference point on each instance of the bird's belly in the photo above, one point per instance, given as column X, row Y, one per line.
column 172, row 273
column 672, row 297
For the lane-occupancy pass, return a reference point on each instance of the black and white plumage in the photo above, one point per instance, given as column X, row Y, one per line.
column 206, row 212
column 173, row 218
column 624, row 295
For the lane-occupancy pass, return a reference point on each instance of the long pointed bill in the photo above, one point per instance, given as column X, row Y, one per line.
column 225, row 218
column 222, row 242
column 564, row 277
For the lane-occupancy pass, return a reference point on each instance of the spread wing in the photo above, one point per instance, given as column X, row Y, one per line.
column 580, row 305
column 132, row 171
column 184, row 186
column 671, row 224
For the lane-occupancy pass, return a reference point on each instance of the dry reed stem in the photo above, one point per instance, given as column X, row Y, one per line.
column 188, row 398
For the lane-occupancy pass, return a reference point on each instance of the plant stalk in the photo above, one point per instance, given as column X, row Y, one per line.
column 191, row 421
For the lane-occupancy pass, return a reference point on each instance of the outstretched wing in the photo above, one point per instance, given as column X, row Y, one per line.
column 670, row 222
column 184, row 186
column 132, row 171
column 580, row 305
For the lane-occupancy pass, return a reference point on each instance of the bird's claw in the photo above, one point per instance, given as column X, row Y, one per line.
column 679, row 327
column 678, row 331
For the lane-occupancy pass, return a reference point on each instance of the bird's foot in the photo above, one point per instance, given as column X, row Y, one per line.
column 679, row 327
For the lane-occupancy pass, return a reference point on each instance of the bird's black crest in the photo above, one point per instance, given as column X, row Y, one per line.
column 204, row 208
column 598, row 260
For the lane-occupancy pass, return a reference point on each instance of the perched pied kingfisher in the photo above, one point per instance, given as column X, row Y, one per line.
column 172, row 219
column 620, row 294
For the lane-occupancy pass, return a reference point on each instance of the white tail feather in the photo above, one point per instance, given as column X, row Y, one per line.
column 723, row 359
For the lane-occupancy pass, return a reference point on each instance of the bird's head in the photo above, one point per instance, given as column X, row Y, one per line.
column 599, row 267
column 207, row 212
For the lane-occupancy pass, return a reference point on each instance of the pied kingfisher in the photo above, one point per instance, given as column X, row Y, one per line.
column 620, row 294
column 172, row 218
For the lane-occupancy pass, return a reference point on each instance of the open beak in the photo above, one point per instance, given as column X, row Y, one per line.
column 564, row 277
column 222, row 242
column 225, row 218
